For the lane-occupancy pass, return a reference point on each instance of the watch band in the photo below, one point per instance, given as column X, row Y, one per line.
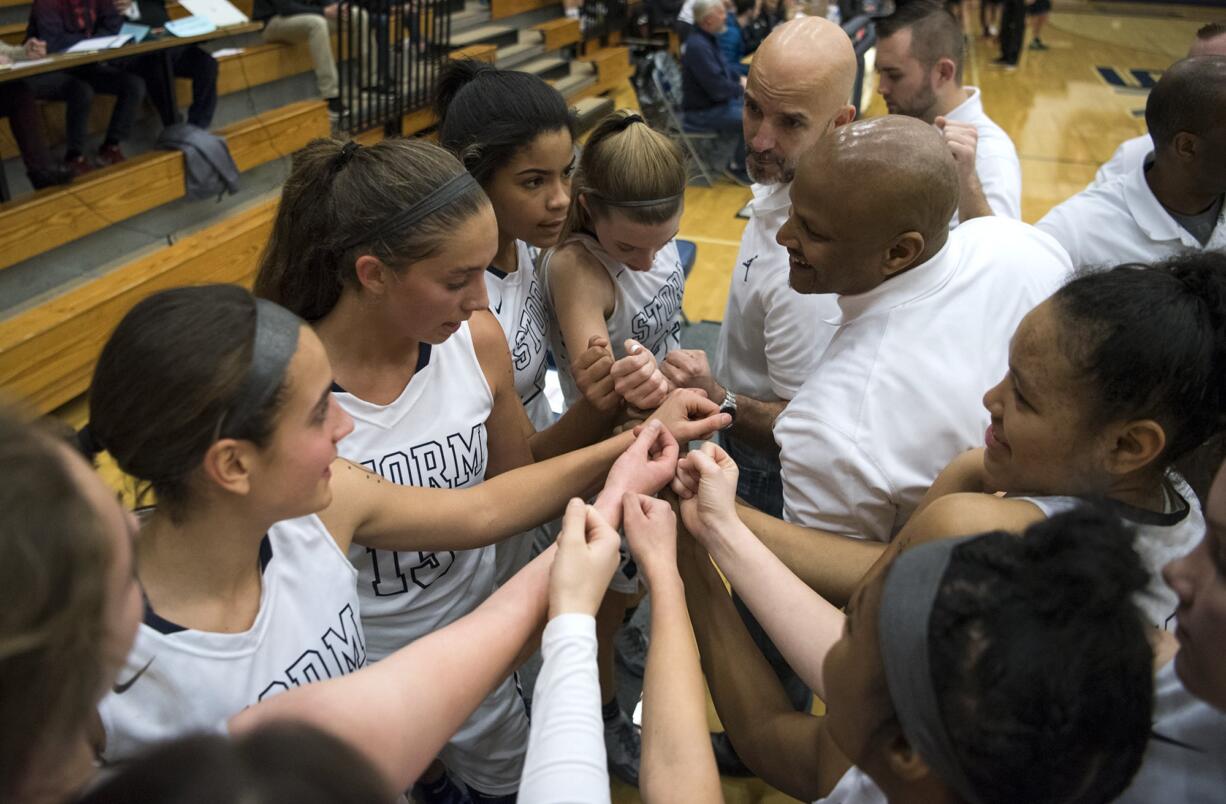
column 729, row 405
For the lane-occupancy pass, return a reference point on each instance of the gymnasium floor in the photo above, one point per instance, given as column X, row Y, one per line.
column 1066, row 109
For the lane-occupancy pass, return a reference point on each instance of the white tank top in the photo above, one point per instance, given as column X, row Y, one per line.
column 307, row 630
column 646, row 306
column 518, row 303
column 432, row 435
column 855, row 787
column 1161, row 538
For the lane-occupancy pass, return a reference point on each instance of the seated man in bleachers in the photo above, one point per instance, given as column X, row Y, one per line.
column 61, row 24
column 17, row 104
column 190, row 61
column 712, row 91
column 1174, row 200
column 312, row 21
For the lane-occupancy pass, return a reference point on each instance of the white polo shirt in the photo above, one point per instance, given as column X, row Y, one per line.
column 996, row 162
column 1121, row 221
column 1128, row 157
column 771, row 336
column 897, row 394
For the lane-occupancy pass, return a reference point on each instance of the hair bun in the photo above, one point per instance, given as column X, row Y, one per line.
column 1082, row 560
column 454, row 76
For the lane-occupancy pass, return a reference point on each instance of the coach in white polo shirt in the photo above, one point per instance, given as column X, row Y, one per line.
column 798, row 90
column 1172, row 202
column 920, row 49
column 926, row 318
column 1210, row 41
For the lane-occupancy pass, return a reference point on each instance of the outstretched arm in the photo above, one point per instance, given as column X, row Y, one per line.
column 678, row 764
column 790, row 750
column 800, row 622
column 566, row 754
column 400, row 711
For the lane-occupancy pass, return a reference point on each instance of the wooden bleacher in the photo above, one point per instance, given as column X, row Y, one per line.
column 47, row 351
column 49, row 218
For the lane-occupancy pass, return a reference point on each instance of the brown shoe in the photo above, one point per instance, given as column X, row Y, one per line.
column 79, row 165
column 110, row 155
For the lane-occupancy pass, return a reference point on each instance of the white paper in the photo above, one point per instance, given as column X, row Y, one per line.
column 99, row 43
column 221, row 53
column 219, row 12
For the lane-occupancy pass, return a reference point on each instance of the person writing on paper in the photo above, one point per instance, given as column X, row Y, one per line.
column 17, row 104
column 190, row 61
column 62, row 24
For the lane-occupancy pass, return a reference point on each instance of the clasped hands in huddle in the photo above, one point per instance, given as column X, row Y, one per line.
column 704, row 480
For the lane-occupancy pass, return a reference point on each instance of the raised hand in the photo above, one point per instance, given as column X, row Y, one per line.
column 587, row 558
column 651, row 529
column 706, row 483
column 638, row 379
column 689, row 368
column 592, row 372
column 648, row 465
column 689, row 415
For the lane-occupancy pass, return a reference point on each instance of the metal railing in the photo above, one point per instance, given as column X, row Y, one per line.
column 389, row 56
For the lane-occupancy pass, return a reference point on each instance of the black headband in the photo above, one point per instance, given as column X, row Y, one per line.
column 272, row 347
column 441, row 196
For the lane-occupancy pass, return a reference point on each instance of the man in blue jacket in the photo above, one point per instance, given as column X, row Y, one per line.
column 712, row 91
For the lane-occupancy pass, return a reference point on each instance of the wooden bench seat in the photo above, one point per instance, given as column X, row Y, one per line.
column 49, row 218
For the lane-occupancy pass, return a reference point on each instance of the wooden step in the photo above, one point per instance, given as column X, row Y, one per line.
column 573, row 83
column 590, row 111
column 497, row 35
column 47, row 353
column 501, row 9
column 513, row 56
column 49, row 218
column 558, row 33
column 468, row 19
column 486, row 53
column 550, row 68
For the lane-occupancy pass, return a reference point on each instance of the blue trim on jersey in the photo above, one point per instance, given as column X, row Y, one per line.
column 498, row 272
column 164, row 626
column 423, row 360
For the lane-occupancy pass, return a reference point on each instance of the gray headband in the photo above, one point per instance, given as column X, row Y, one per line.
column 650, row 202
column 906, row 607
column 441, row 196
column 274, row 344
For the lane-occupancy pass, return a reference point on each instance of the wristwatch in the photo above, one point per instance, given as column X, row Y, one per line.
column 729, row 405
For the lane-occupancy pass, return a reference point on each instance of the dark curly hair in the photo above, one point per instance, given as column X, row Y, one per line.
column 1152, row 340
column 1040, row 661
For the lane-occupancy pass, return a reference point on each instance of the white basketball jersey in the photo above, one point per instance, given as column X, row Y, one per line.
column 1160, row 539
column 434, row 435
column 518, row 302
column 646, row 307
column 177, row 680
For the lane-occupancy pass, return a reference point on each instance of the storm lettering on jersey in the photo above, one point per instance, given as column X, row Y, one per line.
column 453, row 463
column 532, row 332
column 344, row 651
column 658, row 322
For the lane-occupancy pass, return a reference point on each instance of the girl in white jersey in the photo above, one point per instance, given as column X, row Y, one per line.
column 617, row 274
column 516, row 136
column 221, row 404
column 1111, row 381
column 68, row 554
column 981, row 669
column 384, row 250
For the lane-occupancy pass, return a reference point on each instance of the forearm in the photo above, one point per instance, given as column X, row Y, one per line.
column 751, row 703
column 678, row 763
column 402, row 710
column 800, row 622
column 566, row 757
column 755, row 422
column 972, row 203
column 830, row 564
column 579, row 426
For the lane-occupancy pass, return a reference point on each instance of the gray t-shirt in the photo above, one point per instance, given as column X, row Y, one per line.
column 1202, row 224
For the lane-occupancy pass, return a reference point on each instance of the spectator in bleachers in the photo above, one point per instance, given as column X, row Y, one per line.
column 712, row 92
column 17, row 104
column 1173, row 201
column 61, row 24
column 920, row 53
column 190, row 61
column 1210, row 41
column 767, row 16
column 311, row 21
column 732, row 40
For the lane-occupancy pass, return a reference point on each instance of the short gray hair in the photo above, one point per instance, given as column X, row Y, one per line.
column 704, row 7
